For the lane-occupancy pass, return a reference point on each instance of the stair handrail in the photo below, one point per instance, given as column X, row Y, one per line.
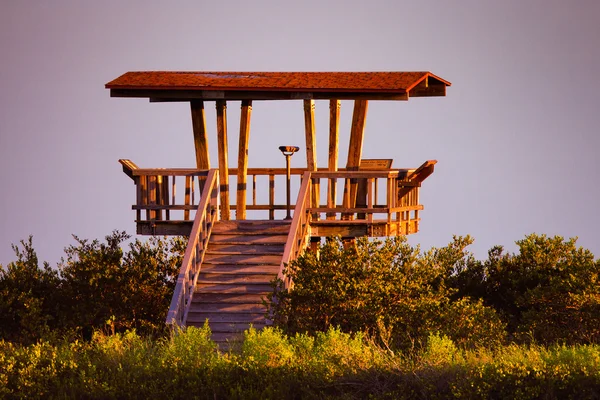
column 205, row 218
column 299, row 229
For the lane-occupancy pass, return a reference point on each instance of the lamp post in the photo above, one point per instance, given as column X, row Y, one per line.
column 288, row 151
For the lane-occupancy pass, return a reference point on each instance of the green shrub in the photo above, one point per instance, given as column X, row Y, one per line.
column 549, row 291
column 30, row 298
column 98, row 286
column 388, row 290
column 131, row 290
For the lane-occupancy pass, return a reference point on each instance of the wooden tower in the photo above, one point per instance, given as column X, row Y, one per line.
column 235, row 250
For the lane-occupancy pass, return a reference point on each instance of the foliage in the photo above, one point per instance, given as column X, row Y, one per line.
column 549, row 291
column 387, row 289
column 331, row 365
column 130, row 290
column 97, row 286
column 29, row 298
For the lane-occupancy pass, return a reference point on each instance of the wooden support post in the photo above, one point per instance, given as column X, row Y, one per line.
column 221, row 106
column 334, row 140
column 311, row 147
column 355, row 147
column 242, row 173
column 200, row 138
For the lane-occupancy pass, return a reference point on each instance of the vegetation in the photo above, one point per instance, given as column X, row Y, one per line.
column 97, row 283
column 548, row 293
column 271, row 365
column 378, row 319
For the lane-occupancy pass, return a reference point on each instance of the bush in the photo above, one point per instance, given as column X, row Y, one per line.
column 548, row 292
column 98, row 286
column 30, row 299
column 386, row 289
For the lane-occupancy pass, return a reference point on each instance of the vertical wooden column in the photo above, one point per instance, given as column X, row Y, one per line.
column 221, row 106
column 334, row 135
column 355, row 147
column 242, row 174
column 200, row 136
column 200, row 142
column 311, row 146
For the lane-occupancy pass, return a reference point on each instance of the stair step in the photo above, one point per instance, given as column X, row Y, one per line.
column 242, row 259
column 246, row 248
column 217, row 278
column 197, row 317
column 233, row 288
column 227, row 308
column 240, row 239
column 239, row 269
column 252, row 227
column 230, row 298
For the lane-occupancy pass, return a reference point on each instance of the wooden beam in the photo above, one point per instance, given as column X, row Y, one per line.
column 355, row 147
column 311, row 145
column 221, row 107
column 200, row 136
column 162, row 95
column 334, row 140
column 242, row 172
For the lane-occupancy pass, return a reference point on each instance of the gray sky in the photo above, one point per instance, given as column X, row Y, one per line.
column 516, row 137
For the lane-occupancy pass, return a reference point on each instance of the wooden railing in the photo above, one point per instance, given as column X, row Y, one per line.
column 367, row 203
column 157, row 198
column 265, row 177
column 299, row 229
column 373, row 198
column 206, row 215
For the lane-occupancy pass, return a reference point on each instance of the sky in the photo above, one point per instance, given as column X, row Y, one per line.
column 516, row 137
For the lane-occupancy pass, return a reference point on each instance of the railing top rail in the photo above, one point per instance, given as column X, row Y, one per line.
column 131, row 169
column 356, row 174
column 170, row 172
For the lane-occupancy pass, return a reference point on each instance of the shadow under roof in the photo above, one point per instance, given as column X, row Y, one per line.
column 208, row 85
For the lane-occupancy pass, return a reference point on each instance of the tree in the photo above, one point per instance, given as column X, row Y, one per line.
column 29, row 297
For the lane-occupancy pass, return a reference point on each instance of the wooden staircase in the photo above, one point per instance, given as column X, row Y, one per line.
column 241, row 259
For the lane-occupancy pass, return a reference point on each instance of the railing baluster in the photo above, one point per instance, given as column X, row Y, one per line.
column 331, row 198
column 152, row 195
column 253, row 190
column 186, row 212
column 370, row 183
column 193, row 192
column 173, row 189
column 271, row 196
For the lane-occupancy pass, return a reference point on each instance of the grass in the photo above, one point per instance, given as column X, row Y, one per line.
column 269, row 364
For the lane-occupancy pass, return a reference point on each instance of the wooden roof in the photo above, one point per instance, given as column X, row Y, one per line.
column 185, row 86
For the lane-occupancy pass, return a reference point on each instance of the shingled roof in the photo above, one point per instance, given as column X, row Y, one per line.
column 183, row 86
